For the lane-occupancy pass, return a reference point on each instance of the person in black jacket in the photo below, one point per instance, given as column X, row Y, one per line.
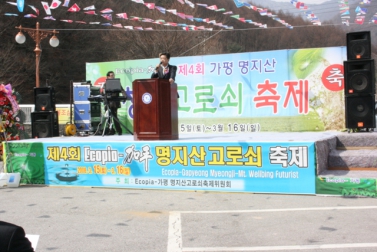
column 164, row 70
column 12, row 238
column 114, row 105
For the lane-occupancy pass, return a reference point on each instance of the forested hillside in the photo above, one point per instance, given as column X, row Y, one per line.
column 91, row 37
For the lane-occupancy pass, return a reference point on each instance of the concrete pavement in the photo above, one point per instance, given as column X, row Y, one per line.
column 101, row 219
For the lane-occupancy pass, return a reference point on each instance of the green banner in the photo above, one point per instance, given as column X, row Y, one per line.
column 27, row 159
column 346, row 186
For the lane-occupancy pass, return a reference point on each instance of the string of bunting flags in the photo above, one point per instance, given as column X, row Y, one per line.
column 308, row 13
column 361, row 10
column 215, row 8
column 262, row 12
column 107, row 14
column 373, row 20
column 163, row 10
column 344, row 10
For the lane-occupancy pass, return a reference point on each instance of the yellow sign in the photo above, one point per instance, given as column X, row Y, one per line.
column 64, row 115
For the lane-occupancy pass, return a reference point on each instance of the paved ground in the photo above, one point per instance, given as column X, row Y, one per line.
column 100, row 219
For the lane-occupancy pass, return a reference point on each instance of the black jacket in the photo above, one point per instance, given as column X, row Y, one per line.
column 12, row 238
column 160, row 73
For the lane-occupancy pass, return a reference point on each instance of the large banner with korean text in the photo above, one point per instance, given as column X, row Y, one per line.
column 218, row 166
column 284, row 90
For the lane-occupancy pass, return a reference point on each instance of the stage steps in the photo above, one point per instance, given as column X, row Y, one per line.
column 352, row 155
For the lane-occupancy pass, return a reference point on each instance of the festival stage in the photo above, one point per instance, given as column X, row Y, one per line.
column 261, row 162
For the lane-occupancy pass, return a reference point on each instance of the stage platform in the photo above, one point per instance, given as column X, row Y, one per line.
column 262, row 162
column 204, row 137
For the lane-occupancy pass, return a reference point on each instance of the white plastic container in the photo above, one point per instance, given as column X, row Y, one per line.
column 14, row 179
column 3, row 179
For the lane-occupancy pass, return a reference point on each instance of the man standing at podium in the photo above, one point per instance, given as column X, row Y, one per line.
column 164, row 70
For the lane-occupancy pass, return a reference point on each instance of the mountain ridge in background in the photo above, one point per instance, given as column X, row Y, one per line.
column 328, row 13
column 81, row 43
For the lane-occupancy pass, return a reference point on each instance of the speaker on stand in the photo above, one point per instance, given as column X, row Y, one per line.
column 358, row 45
column 44, row 119
column 45, row 124
column 359, row 83
column 44, row 99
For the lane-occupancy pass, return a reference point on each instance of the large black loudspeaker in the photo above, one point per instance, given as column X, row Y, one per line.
column 359, row 77
column 44, row 99
column 45, row 124
column 359, row 82
column 358, row 45
column 360, row 112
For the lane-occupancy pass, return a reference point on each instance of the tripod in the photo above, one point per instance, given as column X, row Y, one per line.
column 110, row 117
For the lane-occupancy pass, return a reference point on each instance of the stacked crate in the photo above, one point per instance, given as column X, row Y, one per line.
column 87, row 114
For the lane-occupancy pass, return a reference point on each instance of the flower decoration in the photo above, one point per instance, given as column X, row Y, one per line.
column 10, row 125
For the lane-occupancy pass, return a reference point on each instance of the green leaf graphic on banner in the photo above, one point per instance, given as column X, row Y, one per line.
column 305, row 61
column 29, row 162
column 346, row 186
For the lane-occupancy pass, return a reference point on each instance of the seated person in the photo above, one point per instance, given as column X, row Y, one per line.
column 114, row 105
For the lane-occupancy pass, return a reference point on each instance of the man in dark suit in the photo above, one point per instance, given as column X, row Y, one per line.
column 164, row 70
column 12, row 238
